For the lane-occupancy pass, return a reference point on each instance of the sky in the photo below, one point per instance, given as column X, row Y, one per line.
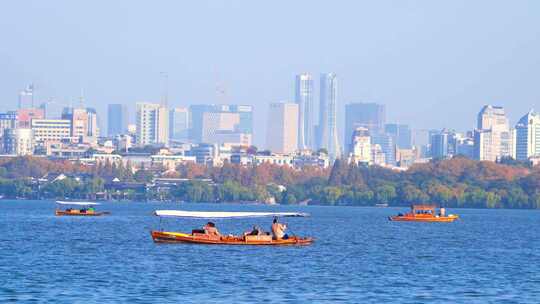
column 432, row 63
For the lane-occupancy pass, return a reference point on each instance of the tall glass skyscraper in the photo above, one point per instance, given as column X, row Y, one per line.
column 327, row 130
column 179, row 124
column 304, row 99
column 367, row 115
column 116, row 119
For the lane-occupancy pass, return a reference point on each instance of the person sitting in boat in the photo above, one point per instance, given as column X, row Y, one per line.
column 442, row 211
column 278, row 230
column 210, row 229
column 255, row 231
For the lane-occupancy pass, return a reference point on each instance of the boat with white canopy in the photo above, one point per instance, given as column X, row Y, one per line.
column 78, row 209
column 210, row 235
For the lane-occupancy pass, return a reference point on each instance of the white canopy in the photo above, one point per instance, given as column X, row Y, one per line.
column 77, row 203
column 219, row 214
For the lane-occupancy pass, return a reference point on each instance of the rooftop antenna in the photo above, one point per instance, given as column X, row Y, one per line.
column 165, row 88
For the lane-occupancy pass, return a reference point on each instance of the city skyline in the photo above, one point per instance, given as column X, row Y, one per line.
column 432, row 72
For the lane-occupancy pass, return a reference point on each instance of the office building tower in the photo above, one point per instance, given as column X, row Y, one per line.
column 304, row 99
column 25, row 115
column 152, row 124
column 528, row 136
column 18, row 142
column 215, row 123
column 26, row 97
column 51, row 130
column 493, row 137
column 117, row 119
column 368, row 115
column 84, row 124
column 439, row 145
column 282, row 131
column 8, row 120
column 328, row 134
column 361, row 150
column 402, row 134
column 179, row 124
column 388, row 146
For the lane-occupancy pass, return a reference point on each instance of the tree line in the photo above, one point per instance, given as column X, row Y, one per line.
column 458, row 182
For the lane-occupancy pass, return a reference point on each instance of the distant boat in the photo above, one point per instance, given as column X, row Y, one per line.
column 424, row 213
column 83, row 209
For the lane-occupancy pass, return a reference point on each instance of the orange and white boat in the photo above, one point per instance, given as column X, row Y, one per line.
column 200, row 237
column 425, row 213
column 78, row 209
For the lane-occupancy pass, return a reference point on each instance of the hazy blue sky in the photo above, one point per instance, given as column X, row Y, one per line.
column 433, row 63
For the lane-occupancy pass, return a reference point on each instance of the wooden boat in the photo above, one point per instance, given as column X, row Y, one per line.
column 83, row 209
column 199, row 237
column 424, row 213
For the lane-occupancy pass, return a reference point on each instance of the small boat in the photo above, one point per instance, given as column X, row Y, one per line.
column 424, row 213
column 200, row 237
column 83, row 209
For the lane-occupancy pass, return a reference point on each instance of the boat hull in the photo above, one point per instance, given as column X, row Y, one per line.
column 176, row 237
column 68, row 213
column 431, row 219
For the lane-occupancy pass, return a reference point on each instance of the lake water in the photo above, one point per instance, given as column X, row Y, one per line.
column 358, row 257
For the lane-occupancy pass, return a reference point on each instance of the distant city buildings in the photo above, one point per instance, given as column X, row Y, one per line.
column 493, row 137
column 18, row 141
column 117, row 119
column 179, row 124
column 371, row 116
column 84, row 124
column 401, row 133
column 528, row 136
column 327, row 129
column 282, row 130
column 304, row 99
column 231, row 124
column 152, row 124
column 361, row 150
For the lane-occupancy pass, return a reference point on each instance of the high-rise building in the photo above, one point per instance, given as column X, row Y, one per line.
column 25, row 115
column 51, row 130
column 84, row 124
column 18, row 141
column 328, row 133
column 304, row 99
column 8, row 120
column 152, row 124
column 439, row 145
column 388, row 146
column 361, row 146
column 214, row 123
column 493, row 137
column 368, row 115
column 528, row 136
column 117, row 119
column 179, row 124
column 282, row 131
column 26, row 97
column 402, row 134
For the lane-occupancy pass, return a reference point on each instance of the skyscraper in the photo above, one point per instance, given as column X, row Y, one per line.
column 116, row 119
column 282, row 132
column 528, row 136
column 84, row 124
column 221, row 123
column 304, row 99
column 402, row 134
column 152, row 124
column 388, row 146
column 361, row 146
column 493, row 137
column 328, row 136
column 368, row 115
column 179, row 124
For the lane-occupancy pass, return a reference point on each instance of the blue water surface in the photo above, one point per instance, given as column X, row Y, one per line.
column 358, row 257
